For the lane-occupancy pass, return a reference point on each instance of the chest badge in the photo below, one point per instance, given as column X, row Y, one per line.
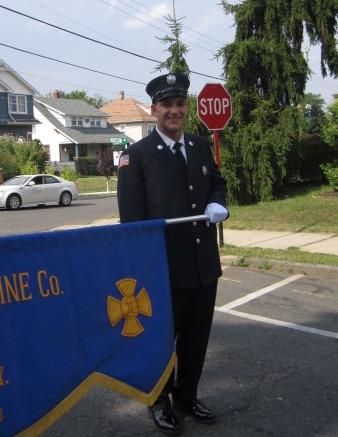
column 204, row 170
column 191, row 143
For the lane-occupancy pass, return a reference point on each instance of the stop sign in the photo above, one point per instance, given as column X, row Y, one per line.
column 214, row 106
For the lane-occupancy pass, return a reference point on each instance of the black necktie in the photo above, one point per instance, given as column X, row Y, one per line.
column 179, row 155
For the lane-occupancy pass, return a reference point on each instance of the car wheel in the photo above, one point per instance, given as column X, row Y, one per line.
column 65, row 199
column 13, row 202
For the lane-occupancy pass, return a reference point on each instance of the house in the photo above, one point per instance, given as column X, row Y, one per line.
column 71, row 128
column 16, row 104
column 130, row 117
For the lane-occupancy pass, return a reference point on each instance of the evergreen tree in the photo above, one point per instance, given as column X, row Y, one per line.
column 266, row 74
column 176, row 62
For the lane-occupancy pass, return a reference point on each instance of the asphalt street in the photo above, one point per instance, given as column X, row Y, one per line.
column 82, row 211
column 271, row 367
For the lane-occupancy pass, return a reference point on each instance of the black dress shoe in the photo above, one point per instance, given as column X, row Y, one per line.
column 197, row 410
column 165, row 420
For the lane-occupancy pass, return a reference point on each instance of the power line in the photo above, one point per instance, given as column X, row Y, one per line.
column 95, row 40
column 147, row 23
column 71, row 64
column 203, row 35
column 74, row 84
column 81, row 24
column 77, row 34
column 144, row 12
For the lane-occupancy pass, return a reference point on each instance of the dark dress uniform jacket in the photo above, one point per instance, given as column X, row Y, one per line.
column 155, row 184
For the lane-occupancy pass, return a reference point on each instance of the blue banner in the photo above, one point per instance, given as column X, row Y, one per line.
column 80, row 307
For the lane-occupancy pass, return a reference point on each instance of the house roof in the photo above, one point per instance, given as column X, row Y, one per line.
column 6, row 67
column 127, row 111
column 70, row 106
column 81, row 135
column 23, row 119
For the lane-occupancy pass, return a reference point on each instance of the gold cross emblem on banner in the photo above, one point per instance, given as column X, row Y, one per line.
column 129, row 307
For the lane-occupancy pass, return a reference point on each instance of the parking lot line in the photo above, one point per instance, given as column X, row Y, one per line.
column 279, row 323
column 259, row 293
column 224, row 278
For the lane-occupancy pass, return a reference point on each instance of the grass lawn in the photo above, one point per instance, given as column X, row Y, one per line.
column 94, row 184
column 306, row 209
column 290, row 255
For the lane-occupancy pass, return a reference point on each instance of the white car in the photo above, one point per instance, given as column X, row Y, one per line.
column 41, row 189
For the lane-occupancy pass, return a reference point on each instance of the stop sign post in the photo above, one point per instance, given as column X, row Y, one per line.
column 215, row 111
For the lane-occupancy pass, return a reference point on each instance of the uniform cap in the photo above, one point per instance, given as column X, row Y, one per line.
column 168, row 85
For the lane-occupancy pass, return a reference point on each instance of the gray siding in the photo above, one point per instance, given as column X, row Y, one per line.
column 4, row 115
column 17, row 131
column 3, row 108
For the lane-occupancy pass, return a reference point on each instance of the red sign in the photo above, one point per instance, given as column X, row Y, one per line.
column 214, row 106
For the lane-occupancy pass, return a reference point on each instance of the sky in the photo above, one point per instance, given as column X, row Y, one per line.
column 132, row 25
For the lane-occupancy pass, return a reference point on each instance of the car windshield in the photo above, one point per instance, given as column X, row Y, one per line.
column 18, row 180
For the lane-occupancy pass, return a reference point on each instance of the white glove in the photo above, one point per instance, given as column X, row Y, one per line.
column 216, row 212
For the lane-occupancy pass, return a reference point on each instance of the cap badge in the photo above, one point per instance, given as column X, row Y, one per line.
column 171, row 79
column 204, row 170
column 160, row 147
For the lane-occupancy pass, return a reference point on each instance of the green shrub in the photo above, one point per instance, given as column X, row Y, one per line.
column 69, row 174
column 331, row 174
column 29, row 168
column 86, row 166
column 49, row 169
column 305, row 157
column 8, row 164
column 30, row 152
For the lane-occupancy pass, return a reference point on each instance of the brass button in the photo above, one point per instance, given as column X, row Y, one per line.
column 194, row 223
column 193, row 206
column 198, row 240
column 191, row 187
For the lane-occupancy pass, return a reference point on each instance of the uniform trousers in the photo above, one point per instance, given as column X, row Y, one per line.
column 193, row 310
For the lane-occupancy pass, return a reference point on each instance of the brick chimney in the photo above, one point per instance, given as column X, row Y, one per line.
column 121, row 95
column 56, row 94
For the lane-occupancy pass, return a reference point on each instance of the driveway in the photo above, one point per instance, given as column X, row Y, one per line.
column 271, row 368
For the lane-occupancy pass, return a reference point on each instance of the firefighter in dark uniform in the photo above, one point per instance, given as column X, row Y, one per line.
column 171, row 174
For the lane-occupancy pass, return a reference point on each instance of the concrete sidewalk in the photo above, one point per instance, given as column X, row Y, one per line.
column 305, row 241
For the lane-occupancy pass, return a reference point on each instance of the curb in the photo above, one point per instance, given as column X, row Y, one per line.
column 96, row 195
column 261, row 264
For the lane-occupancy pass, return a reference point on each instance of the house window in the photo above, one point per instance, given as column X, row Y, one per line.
column 73, row 121
column 92, row 122
column 83, row 150
column 79, row 121
column 97, row 122
column 122, row 128
column 17, row 104
column 150, row 128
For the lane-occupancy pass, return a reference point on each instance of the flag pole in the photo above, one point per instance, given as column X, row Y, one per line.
column 192, row 218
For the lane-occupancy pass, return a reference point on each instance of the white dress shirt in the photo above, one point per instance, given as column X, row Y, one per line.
column 170, row 143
